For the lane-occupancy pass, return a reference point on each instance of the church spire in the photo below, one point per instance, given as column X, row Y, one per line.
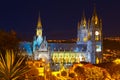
column 83, row 20
column 39, row 27
column 94, row 11
column 39, row 24
column 94, row 17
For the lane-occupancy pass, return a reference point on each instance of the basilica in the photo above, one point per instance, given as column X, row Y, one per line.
column 87, row 48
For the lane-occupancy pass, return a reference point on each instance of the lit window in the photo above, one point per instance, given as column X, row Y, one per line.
column 85, row 39
column 96, row 38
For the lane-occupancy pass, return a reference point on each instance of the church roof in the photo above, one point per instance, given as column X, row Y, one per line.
column 67, row 47
column 61, row 46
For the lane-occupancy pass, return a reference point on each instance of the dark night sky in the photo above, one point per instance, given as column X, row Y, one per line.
column 59, row 17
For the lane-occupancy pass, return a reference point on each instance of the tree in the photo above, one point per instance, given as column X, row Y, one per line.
column 72, row 75
column 33, row 74
column 112, row 68
column 8, row 40
column 80, row 72
column 94, row 72
column 10, row 67
column 63, row 73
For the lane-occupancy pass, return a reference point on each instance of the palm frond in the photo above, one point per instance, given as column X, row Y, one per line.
column 11, row 69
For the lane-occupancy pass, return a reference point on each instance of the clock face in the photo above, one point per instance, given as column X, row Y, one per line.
column 96, row 33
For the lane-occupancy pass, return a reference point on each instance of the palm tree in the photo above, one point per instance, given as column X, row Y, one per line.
column 11, row 67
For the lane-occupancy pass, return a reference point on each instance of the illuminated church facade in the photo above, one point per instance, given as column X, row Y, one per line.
column 87, row 48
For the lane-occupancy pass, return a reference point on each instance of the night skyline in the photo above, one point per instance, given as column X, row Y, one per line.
column 59, row 18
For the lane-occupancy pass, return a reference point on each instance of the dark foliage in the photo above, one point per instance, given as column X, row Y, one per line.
column 8, row 41
column 64, row 73
column 79, row 70
column 72, row 75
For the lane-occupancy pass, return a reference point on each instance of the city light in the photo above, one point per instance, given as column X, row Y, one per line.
column 117, row 61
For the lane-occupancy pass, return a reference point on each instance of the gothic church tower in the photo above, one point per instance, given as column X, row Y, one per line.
column 96, row 37
column 40, row 46
column 82, row 32
column 89, row 34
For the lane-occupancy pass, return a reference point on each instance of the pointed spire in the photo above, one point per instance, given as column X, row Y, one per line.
column 94, row 16
column 94, row 11
column 39, row 27
column 39, row 24
column 83, row 20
